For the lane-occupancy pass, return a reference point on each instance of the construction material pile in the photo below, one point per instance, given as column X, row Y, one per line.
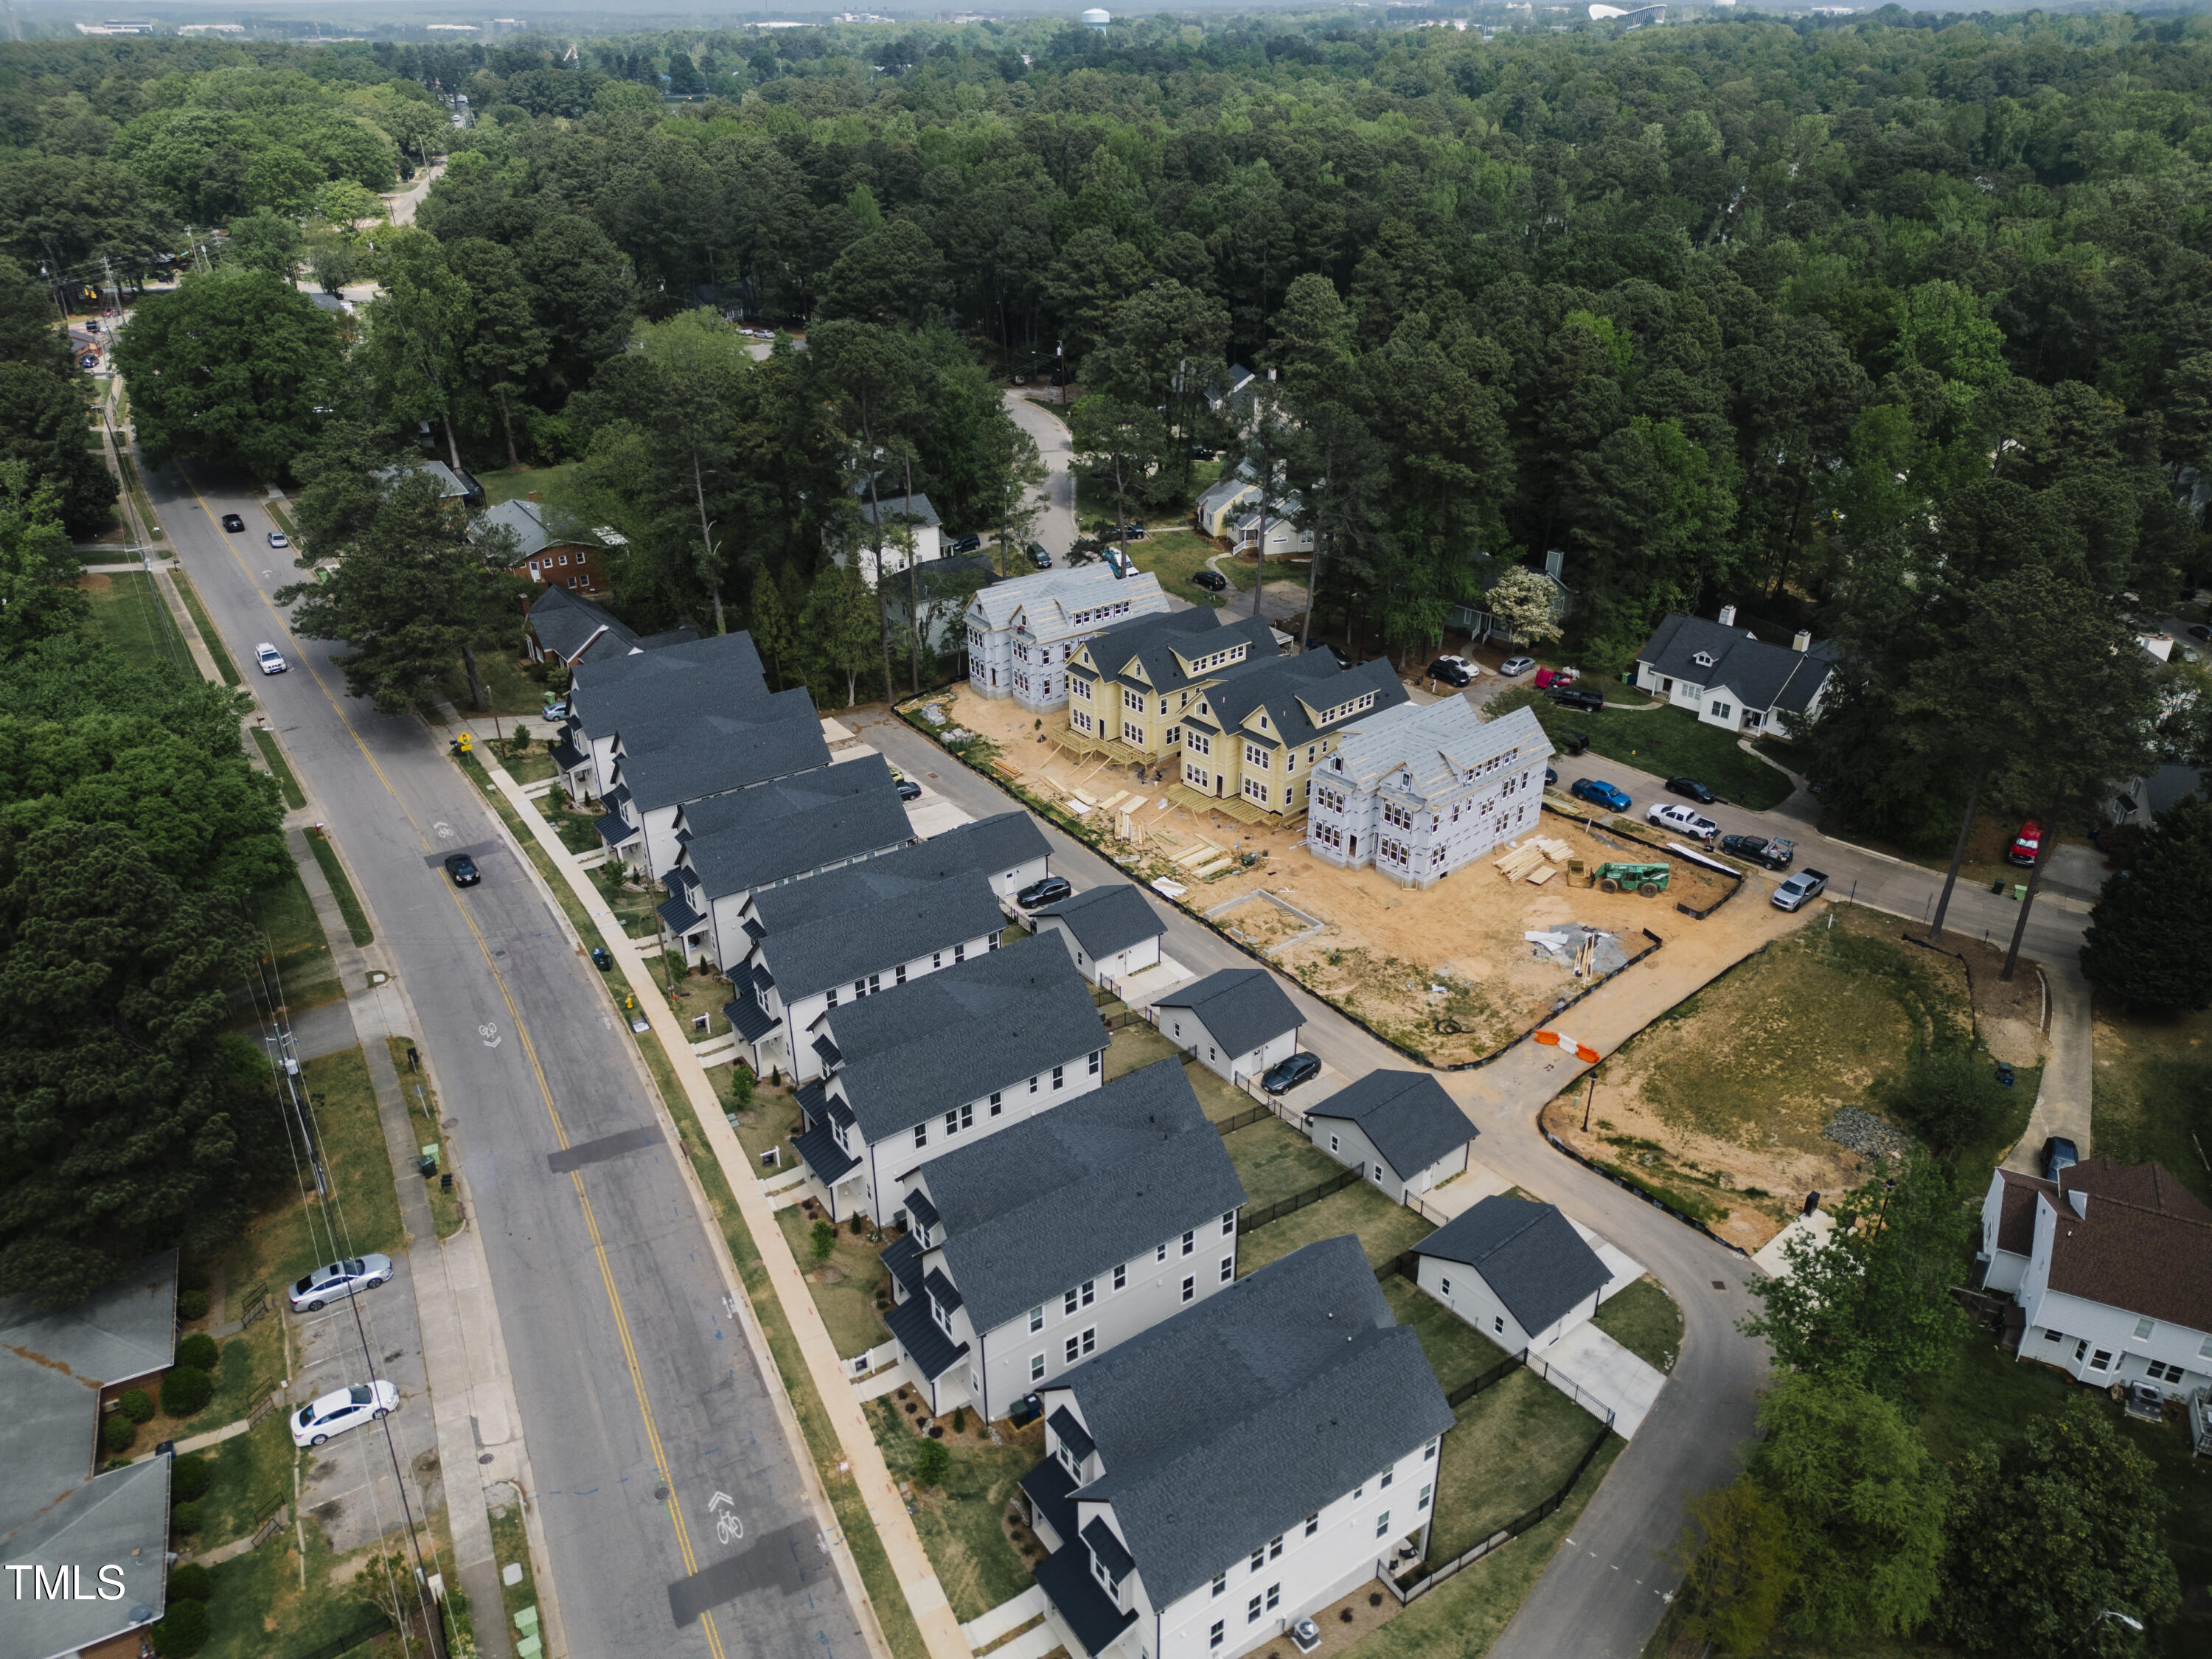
column 1536, row 861
column 1583, row 951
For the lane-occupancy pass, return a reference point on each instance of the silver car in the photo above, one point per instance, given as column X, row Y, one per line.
column 342, row 1409
column 1513, row 665
column 339, row 1280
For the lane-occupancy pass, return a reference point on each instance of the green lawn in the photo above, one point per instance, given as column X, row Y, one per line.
column 250, row 1472
column 348, row 902
column 1457, row 1352
column 847, row 1305
column 301, row 955
column 2153, row 1095
column 1139, row 1044
column 209, row 637
column 1512, row 1446
column 510, row 1545
column 259, row 1593
column 1275, row 1161
column 514, row 694
column 1386, row 1230
column 1173, row 555
column 1663, row 741
column 129, row 612
column 512, row 482
column 1644, row 1320
column 962, row 1523
column 272, row 756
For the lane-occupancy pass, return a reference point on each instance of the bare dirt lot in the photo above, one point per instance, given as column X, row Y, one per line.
column 1443, row 972
column 1725, row 1103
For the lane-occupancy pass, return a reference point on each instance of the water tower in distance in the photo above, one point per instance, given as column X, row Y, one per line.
column 1097, row 18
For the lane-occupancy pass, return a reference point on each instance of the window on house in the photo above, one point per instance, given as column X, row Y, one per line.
column 1189, row 1288
column 1360, row 1492
column 1121, row 1277
column 995, row 1107
column 1722, row 711
column 1067, row 1302
column 1074, row 1350
column 1274, row 1596
column 1090, row 1339
column 1033, row 1085
column 1443, row 1286
column 937, row 958
column 1189, row 1242
column 1498, row 1322
column 1057, row 1079
column 1037, row 1368
column 899, row 974
column 1258, row 1557
column 2054, row 1336
column 1382, row 1524
column 921, row 1134
column 1428, row 1451
column 1160, row 1253
column 2204, row 1348
column 1388, row 1476
column 1422, row 1506
column 833, row 996
column 1036, row 1317
column 2101, row 1360
column 1220, row 1583
column 1214, row 1640
column 1089, row 1291
column 960, row 953
column 2143, row 1328
column 1228, row 1268
column 1098, row 1062
column 2159, row 1371
column 1252, row 1611
column 963, row 1118
column 1275, row 1548
column 1332, row 1143
column 1229, row 1223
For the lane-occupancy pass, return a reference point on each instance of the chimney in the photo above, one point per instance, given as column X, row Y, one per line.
column 1802, row 641
column 1271, row 376
column 1728, row 615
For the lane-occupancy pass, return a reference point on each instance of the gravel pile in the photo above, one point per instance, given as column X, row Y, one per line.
column 1863, row 1132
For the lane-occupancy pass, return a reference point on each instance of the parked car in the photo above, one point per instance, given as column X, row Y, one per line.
column 1599, row 793
column 1335, row 651
column 1132, row 532
column 2199, row 631
column 1551, row 775
column 1285, row 1075
column 2025, row 845
column 556, row 710
column 1212, row 581
column 338, row 1280
column 1119, row 562
column 1690, row 786
column 269, row 659
column 1575, row 742
column 234, row 523
column 1772, row 851
column 1548, row 677
column 2058, row 1153
column 463, row 869
column 1687, row 819
column 967, row 545
column 909, row 789
column 1050, row 890
column 277, row 539
column 1587, row 702
column 1453, row 670
column 1805, row 885
column 342, row 1409
column 1513, row 665
column 1039, row 557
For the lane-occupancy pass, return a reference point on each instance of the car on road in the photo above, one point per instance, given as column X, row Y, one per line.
column 1548, row 677
column 1513, row 665
column 339, row 1280
column 1453, row 671
column 2025, row 845
column 967, row 545
column 909, row 789
column 278, row 538
column 1335, row 651
column 1687, row 819
column 1598, row 793
column 1805, row 885
column 269, row 659
column 1772, row 851
column 463, row 869
column 1212, row 581
column 1587, row 702
column 1551, row 775
column 1050, row 890
column 2199, row 631
column 342, row 1409
column 1039, row 557
column 1696, row 791
column 2058, row 1153
column 1285, row 1075
column 234, row 523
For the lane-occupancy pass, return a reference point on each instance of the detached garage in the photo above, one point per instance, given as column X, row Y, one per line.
column 1109, row 930
column 1399, row 1128
column 1237, row 1022
column 1516, row 1270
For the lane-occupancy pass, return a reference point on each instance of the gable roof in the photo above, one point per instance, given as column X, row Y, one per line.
column 730, row 660
column 984, row 846
column 793, row 825
column 1106, row 919
column 1160, row 644
column 1528, row 1253
column 1243, row 1008
column 1245, row 1412
column 566, row 624
column 691, row 755
column 1762, row 676
column 536, row 527
column 1407, row 1116
column 1049, row 602
column 1069, row 1194
column 1225, row 490
column 875, row 930
column 912, row 1051
column 1285, row 687
column 2016, row 1210
column 897, row 509
column 2144, row 1245
column 1437, row 744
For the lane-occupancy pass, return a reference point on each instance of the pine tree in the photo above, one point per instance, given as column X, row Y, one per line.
column 771, row 624
column 842, row 624
column 2144, row 945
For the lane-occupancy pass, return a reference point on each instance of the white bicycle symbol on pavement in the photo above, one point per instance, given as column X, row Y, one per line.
column 728, row 1527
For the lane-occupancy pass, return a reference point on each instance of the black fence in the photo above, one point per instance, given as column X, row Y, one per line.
column 1734, row 877
column 1642, row 1192
column 1261, row 1215
column 375, row 1626
column 253, row 1304
column 268, row 1524
column 270, row 1396
column 1243, row 1120
column 1505, row 1534
column 1490, row 1379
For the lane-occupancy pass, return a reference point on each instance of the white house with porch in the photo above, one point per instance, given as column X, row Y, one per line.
column 1730, row 678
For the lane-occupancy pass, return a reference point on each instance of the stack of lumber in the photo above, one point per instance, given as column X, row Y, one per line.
column 1203, row 852
column 1213, row 866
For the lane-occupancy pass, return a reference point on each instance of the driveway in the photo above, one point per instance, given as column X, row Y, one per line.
column 1056, row 525
column 351, row 1489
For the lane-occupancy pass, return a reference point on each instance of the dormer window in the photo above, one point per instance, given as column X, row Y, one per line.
column 1704, row 660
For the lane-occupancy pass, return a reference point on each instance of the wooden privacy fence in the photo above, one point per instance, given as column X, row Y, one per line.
column 1505, row 1534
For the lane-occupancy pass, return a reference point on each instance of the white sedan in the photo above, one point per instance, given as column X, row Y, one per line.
column 1687, row 819
column 345, row 1408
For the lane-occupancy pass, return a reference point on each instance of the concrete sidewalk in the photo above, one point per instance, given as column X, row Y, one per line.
column 1599, row 1375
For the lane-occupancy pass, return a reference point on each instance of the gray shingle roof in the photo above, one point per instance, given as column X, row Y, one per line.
column 1117, row 1561
column 876, row 931
column 1067, row 1194
column 955, row 1035
column 706, row 754
column 897, row 508
column 1435, row 746
column 1243, row 1008
column 538, row 526
column 1106, row 919
column 729, row 660
column 1287, row 686
column 1762, row 676
column 1245, row 1412
column 794, row 825
column 919, row 1334
column 1528, row 1253
column 1156, row 642
column 565, row 624
column 987, row 847
column 819, row 1149
column 1411, row 1119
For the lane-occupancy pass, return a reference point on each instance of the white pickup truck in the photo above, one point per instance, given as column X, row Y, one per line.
column 1804, row 885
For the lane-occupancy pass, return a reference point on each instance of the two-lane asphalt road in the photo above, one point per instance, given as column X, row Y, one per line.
column 640, row 1402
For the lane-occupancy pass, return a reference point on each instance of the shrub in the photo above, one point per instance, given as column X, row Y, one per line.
column 182, row 1631
column 190, row 1583
column 192, row 1279
column 185, row 1518
column 859, row 1223
column 825, row 1240
column 191, row 1304
column 959, row 1418
column 189, row 1480
column 118, row 1432
column 931, row 1464
column 137, row 1405
column 185, row 1391
column 199, row 1350
column 741, row 1087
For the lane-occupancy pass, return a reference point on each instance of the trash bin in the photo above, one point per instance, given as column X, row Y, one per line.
column 2004, row 1075
column 427, row 1166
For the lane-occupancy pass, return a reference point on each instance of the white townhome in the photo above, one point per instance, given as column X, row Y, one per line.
column 1021, row 633
column 1418, row 792
column 645, row 689
column 798, row 949
column 921, row 1069
column 1516, row 1271
column 1037, row 1248
column 2111, row 1267
column 1400, row 1129
column 1223, row 1475
column 1110, row 930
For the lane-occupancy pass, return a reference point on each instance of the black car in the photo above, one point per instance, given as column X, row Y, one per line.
column 1039, row 557
column 1050, row 890
column 2199, row 631
column 1772, row 851
column 463, row 869
column 1212, row 581
column 234, row 523
column 1551, row 775
column 1451, row 672
column 909, row 789
column 1690, row 786
column 1575, row 742
column 1587, row 702
column 1285, row 1075
column 1335, row 651
column 967, row 545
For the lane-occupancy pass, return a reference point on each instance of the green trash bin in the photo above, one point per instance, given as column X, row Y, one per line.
column 2019, row 892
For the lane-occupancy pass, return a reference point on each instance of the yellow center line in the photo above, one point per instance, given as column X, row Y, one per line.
column 544, row 1087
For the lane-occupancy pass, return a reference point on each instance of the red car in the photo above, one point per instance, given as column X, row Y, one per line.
column 1554, row 676
column 2025, row 845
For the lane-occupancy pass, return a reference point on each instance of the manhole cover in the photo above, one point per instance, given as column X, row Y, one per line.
column 661, row 1492
column 1720, row 1284
column 484, row 1458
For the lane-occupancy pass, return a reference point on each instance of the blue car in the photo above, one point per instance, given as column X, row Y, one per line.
column 1599, row 793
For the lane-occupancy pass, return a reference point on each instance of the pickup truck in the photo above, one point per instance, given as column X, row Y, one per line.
column 1772, row 851
column 1804, row 885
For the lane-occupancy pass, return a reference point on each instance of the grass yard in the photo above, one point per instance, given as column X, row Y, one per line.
column 129, row 612
column 513, row 693
column 766, row 1121
column 962, row 1523
column 510, row 1543
column 348, row 902
column 209, row 637
column 511, row 482
column 1174, row 555
column 1667, row 742
column 249, row 1473
column 1386, row 1230
column 300, row 954
column 279, row 768
column 1644, row 1320
column 1457, row 1352
column 423, row 1116
column 533, row 765
column 2152, row 1093
column 1138, row 1044
column 251, row 1366
column 845, row 1287
column 259, row 1593
column 1275, row 1162
column 1513, row 1444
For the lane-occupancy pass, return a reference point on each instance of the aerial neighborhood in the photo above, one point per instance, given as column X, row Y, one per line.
column 1282, row 833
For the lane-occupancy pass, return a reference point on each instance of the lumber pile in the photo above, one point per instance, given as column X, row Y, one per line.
column 1533, row 859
